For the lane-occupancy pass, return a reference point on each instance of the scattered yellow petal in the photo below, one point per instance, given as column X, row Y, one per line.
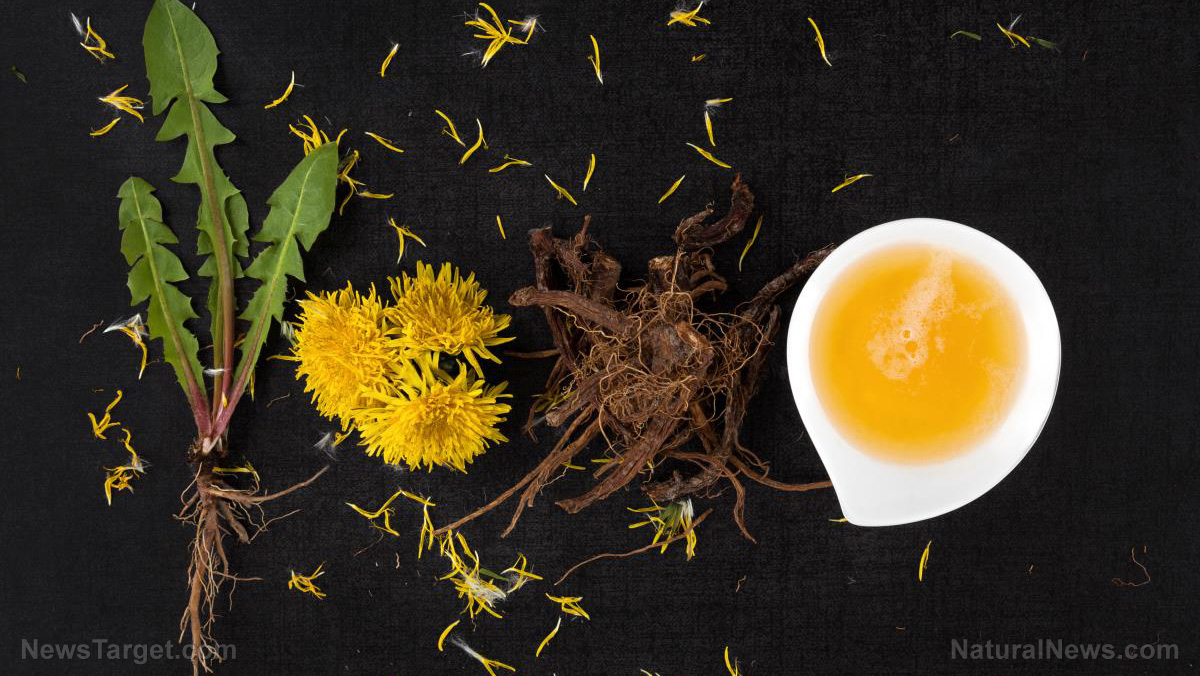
column 562, row 192
column 698, row 57
column 387, row 60
column 850, row 180
column 497, row 34
column 106, row 128
column 244, row 469
column 286, row 93
column 753, row 237
column 478, row 142
column 708, row 126
column 570, row 605
column 709, row 156
column 103, row 424
column 820, row 42
column 1013, row 38
column 450, row 130
column 304, row 583
column 670, row 191
column 92, row 42
column 125, row 104
column 118, row 478
column 375, row 196
column 403, row 231
column 486, row 662
column 508, row 162
column 549, row 636
column 314, row 138
column 587, row 178
column 390, row 145
column 134, row 329
column 924, row 562
column 595, row 59
column 446, row 632
column 713, row 103
column 841, row 520
column 500, row 225
column 731, row 665
column 690, row 18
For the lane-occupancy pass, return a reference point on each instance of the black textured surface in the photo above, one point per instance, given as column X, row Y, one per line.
column 1083, row 161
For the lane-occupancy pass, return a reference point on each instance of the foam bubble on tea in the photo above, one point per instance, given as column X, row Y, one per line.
column 916, row 353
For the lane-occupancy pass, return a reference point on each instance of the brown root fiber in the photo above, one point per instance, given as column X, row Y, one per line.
column 649, row 370
column 215, row 509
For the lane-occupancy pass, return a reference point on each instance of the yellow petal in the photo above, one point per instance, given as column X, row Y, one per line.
column 387, row 60
column 753, row 237
column 105, row 129
column 384, row 142
column 286, row 93
column 821, row 42
column 590, row 170
column 670, row 191
column 709, row 156
column 850, row 180
column 562, row 192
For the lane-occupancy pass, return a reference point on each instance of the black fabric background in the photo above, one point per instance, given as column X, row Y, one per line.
column 1083, row 161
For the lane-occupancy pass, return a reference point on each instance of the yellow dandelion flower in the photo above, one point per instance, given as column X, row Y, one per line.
column 341, row 347
column 668, row 521
column 445, row 313
column 426, row 417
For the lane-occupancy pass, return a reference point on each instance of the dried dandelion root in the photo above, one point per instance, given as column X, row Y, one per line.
column 651, row 370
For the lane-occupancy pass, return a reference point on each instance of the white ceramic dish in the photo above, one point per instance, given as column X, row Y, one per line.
column 875, row 492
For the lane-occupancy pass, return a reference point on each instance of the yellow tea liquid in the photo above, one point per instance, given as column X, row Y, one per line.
column 916, row 353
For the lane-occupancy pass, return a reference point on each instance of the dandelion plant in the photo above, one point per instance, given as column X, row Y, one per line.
column 181, row 59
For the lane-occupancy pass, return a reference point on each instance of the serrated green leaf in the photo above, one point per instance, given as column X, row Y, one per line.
column 153, row 271
column 181, row 59
column 300, row 211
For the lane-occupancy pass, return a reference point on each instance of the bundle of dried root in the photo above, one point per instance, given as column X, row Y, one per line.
column 648, row 370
